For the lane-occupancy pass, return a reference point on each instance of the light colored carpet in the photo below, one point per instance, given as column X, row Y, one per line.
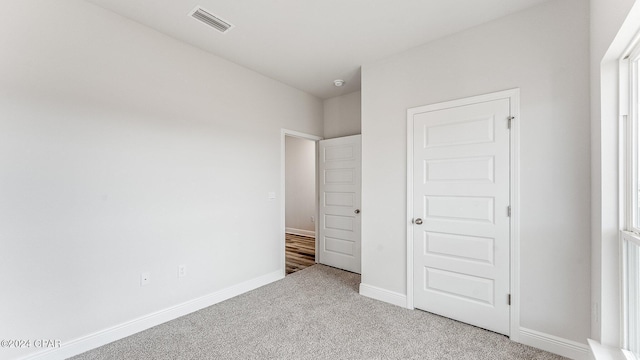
column 315, row 313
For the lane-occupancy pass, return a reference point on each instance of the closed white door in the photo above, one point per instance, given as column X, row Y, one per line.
column 339, row 215
column 461, row 212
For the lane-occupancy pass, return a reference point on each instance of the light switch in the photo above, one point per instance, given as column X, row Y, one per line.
column 271, row 195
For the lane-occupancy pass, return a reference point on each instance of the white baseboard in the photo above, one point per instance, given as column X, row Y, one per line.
column 554, row 344
column 309, row 233
column 380, row 294
column 129, row 328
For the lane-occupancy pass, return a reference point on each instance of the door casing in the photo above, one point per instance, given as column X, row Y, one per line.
column 514, row 233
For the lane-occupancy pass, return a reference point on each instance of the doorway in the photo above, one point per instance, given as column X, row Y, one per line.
column 300, row 201
column 320, row 220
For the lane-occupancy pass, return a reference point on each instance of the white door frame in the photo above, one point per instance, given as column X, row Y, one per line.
column 514, row 221
column 283, row 134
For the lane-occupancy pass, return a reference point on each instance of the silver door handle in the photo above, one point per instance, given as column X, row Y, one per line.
column 357, row 211
column 417, row 221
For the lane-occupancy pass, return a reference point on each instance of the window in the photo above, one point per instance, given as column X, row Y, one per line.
column 630, row 235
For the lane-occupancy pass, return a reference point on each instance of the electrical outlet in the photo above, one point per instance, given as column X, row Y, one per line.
column 182, row 271
column 145, row 278
column 313, row 219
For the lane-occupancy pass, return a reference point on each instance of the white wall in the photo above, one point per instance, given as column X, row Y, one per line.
column 606, row 18
column 122, row 151
column 544, row 51
column 300, row 185
column 342, row 115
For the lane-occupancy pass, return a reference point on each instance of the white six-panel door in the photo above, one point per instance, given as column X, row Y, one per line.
column 339, row 214
column 461, row 192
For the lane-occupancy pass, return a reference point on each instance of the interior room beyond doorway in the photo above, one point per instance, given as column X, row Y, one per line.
column 300, row 204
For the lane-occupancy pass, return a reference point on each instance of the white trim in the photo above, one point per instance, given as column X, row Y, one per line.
column 627, row 181
column 554, row 344
column 629, row 290
column 609, row 122
column 103, row 337
column 514, row 99
column 602, row 352
column 515, row 214
column 630, row 237
column 409, row 220
column 317, row 223
column 283, row 134
column 309, row 233
column 384, row 295
column 628, row 190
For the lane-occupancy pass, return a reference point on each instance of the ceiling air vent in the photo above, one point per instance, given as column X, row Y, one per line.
column 209, row 19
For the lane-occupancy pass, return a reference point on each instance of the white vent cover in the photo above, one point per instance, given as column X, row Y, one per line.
column 209, row 19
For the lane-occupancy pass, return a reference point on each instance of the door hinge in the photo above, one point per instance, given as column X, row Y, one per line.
column 508, row 299
column 509, row 119
column 508, row 211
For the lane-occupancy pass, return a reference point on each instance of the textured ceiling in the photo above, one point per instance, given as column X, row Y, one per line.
column 309, row 43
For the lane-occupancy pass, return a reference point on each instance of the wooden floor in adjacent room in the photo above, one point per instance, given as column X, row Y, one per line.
column 300, row 252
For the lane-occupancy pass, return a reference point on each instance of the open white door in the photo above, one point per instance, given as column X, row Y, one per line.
column 461, row 198
column 339, row 214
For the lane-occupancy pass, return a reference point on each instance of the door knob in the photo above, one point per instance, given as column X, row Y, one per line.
column 357, row 211
column 417, row 221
